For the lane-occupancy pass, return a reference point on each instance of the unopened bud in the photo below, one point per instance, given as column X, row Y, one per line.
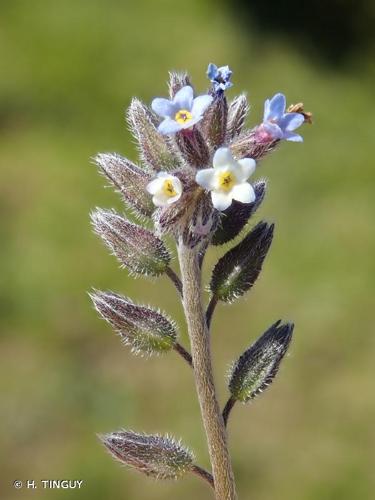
column 159, row 456
column 235, row 217
column 137, row 248
column 155, row 150
column 145, row 330
column 257, row 367
column 130, row 181
column 237, row 271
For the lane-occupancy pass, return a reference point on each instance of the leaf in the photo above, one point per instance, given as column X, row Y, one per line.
column 145, row 330
column 158, row 456
column 235, row 218
column 130, row 181
column 155, row 149
column 236, row 272
column 257, row 367
column 137, row 248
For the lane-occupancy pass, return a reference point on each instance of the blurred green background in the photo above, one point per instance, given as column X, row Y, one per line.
column 68, row 70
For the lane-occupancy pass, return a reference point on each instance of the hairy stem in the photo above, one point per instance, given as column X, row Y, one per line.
column 183, row 353
column 227, row 409
column 199, row 471
column 204, row 381
column 210, row 310
column 175, row 279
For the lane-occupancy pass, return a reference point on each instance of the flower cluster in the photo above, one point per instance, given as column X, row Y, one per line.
column 190, row 123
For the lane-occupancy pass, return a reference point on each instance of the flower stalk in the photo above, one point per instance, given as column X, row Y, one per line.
column 204, row 380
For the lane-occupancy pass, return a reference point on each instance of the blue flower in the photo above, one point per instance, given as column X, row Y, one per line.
column 219, row 77
column 182, row 112
column 277, row 124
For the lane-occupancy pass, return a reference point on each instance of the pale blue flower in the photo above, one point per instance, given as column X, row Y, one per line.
column 219, row 77
column 278, row 124
column 183, row 112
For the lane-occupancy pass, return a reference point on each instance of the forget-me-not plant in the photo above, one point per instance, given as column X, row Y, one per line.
column 192, row 185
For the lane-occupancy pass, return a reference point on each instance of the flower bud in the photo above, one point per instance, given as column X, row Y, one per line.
column 249, row 144
column 235, row 218
column 202, row 222
column 237, row 113
column 177, row 81
column 237, row 271
column 155, row 149
column 193, row 147
column 214, row 123
column 256, row 368
column 145, row 330
column 159, row 456
column 130, row 181
column 137, row 248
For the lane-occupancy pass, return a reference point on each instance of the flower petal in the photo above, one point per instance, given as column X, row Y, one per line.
column 206, row 178
column 291, row 136
column 212, row 71
column 273, row 130
column 192, row 122
column 266, row 114
column 291, row 121
column 200, row 104
column 163, row 107
column 223, row 158
column 246, row 168
column 221, row 201
column 277, row 106
column 243, row 192
column 169, row 126
column 155, row 185
column 184, row 98
column 174, row 199
column 160, row 200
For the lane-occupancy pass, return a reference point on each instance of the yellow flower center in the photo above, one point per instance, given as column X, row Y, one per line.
column 226, row 180
column 183, row 116
column 168, row 188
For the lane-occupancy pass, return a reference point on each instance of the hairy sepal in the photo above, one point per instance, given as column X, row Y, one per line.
column 161, row 457
column 129, row 180
column 237, row 271
column 257, row 367
column 155, row 149
column 235, row 218
column 237, row 113
column 137, row 248
column 144, row 329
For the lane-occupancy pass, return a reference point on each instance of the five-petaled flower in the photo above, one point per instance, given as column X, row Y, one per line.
column 219, row 77
column 165, row 188
column 277, row 124
column 227, row 179
column 182, row 112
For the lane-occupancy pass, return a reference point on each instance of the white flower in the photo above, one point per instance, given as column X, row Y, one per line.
column 166, row 189
column 227, row 180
